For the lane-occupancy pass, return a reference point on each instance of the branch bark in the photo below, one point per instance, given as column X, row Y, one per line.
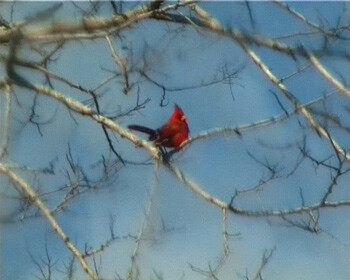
column 47, row 214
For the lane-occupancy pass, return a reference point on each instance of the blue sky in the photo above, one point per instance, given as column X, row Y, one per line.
column 219, row 164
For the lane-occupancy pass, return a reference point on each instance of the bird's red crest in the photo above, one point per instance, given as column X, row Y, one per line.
column 178, row 114
column 172, row 134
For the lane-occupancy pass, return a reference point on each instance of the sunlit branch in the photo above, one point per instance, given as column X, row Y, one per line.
column 318, row 65
column 6, row 124
column 120, row 61
column 305, row 20
column 49, row 74
column 296, row 103
column 215, row 26
column 197, row 189
column 225, row 232
column 84, row 110
column 239, row 129
column 76, row 86
column 46, row 212
column 87, row 24
column 87, row 111
column 297, row 210
column 89, row 27
column 209, row 23
column 76, row 187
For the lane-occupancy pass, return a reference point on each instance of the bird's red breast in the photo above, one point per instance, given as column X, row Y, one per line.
column 172, row 134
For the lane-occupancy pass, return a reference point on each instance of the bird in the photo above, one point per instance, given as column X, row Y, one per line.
column 170, row 135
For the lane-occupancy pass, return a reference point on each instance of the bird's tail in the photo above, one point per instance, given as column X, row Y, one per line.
column 151, row 132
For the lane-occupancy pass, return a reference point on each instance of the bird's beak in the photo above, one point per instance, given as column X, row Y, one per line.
column 183, row 118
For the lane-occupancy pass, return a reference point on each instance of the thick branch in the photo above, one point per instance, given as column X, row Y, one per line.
column 229, row 206
column 214, row 25
column 318, row 65
column 87, row 24
column 239, row 129
column 34, row 197
column 297, row 104
column 85, row 110
column 120, row 61
column 211, row 24
column 6, row 127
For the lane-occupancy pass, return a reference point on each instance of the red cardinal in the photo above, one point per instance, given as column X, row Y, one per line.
column 172, row 134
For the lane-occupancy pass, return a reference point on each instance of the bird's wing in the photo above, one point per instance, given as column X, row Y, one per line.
column 169, row 130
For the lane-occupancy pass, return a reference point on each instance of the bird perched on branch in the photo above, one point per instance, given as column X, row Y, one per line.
column 172, row 134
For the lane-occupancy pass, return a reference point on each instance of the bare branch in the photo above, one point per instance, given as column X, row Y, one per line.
column 109, row 241
column 46, row 212
column 225, row 233
column 298, row 106
column 87, row 24
column 120, row 61
column 318, row 65
column 6, row 127
column 236, row 210
column 146, row 223
column 211, row 24
column 305, row 20
column 256, row 125
column 87, row 111
column 265, row 259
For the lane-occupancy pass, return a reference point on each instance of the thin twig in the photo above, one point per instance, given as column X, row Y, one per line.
column 84, row 110
column 305, row 20
column 229, row 206
column 47, row 214
column 146, row 222
column 298, row 106
column 256, row 125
